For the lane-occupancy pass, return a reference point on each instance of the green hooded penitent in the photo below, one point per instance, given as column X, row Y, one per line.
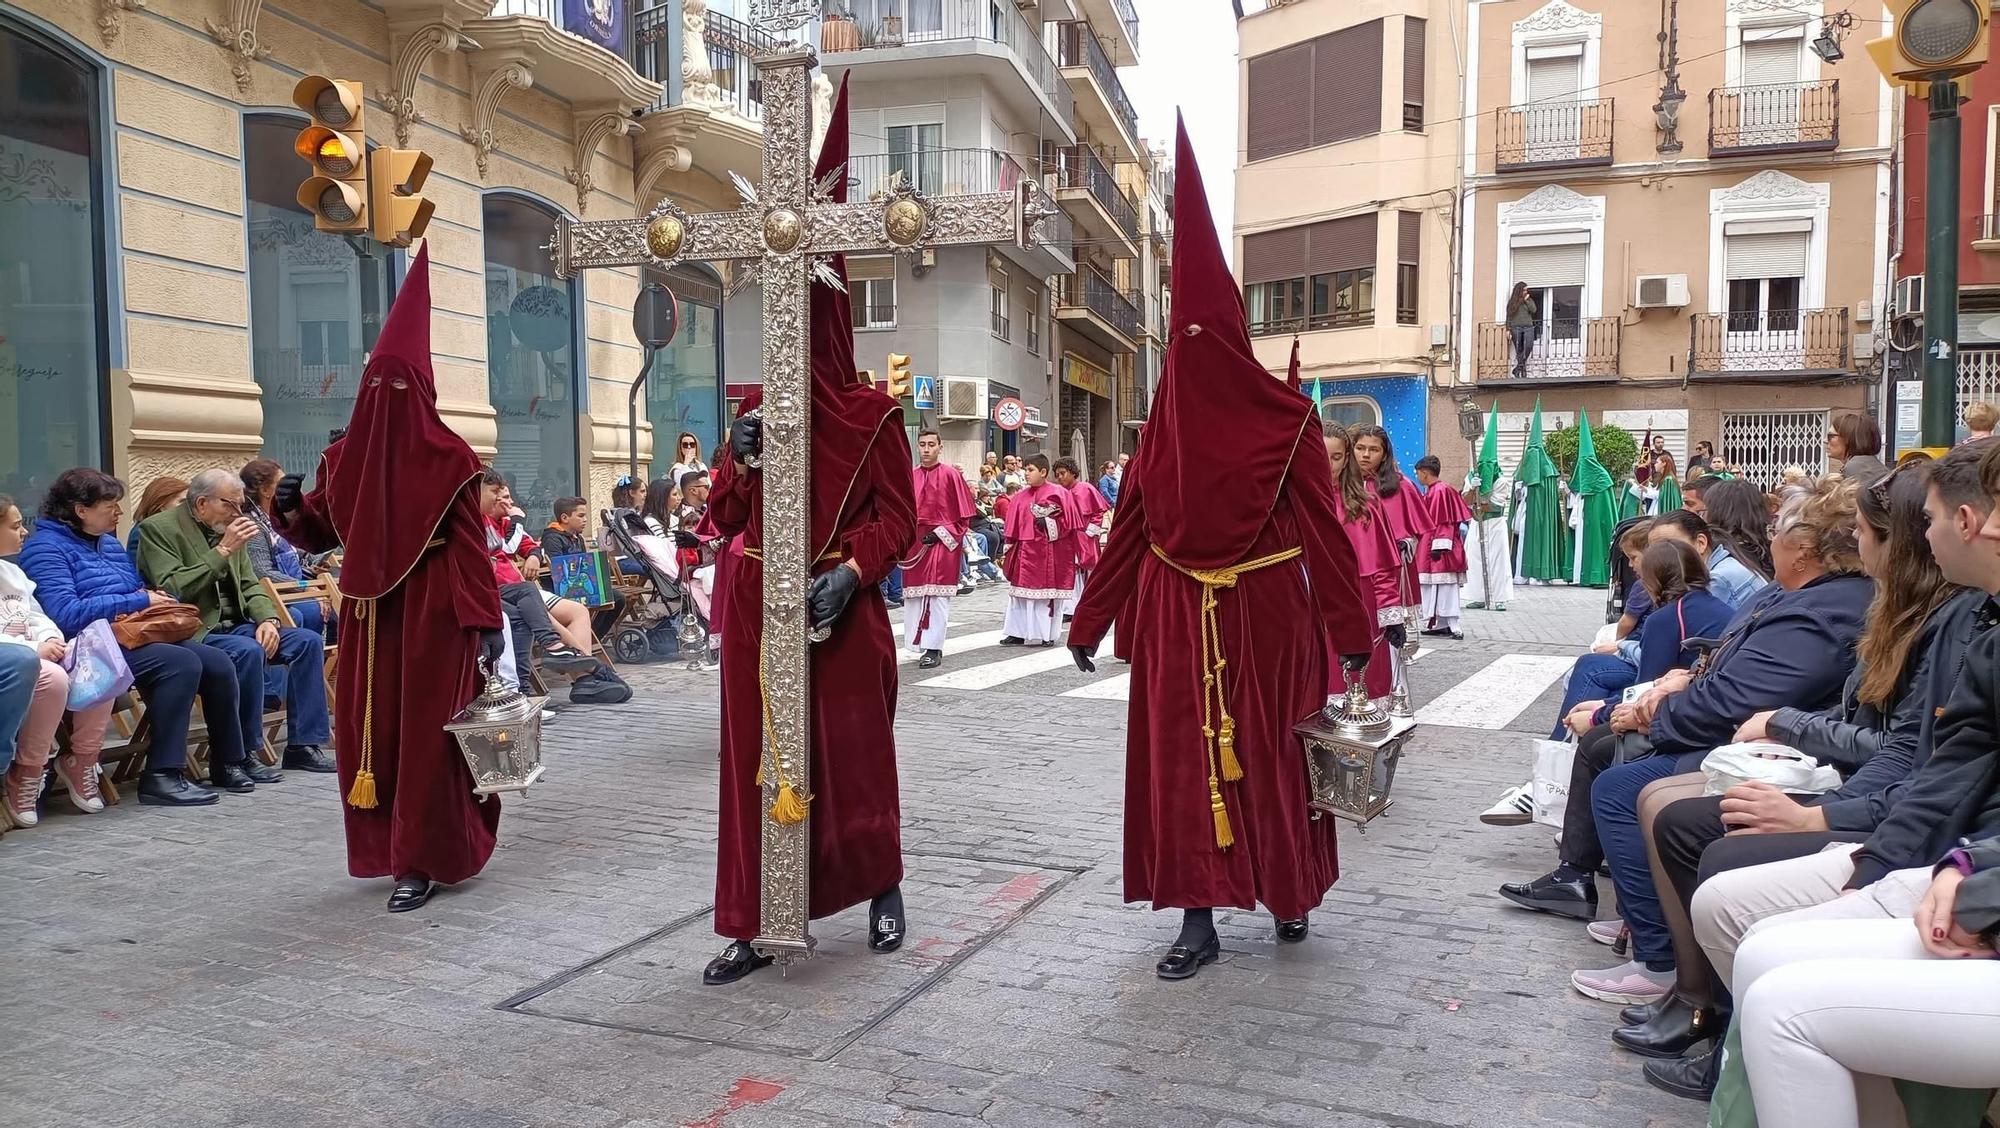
column 1545, row 542
column 1592, row 482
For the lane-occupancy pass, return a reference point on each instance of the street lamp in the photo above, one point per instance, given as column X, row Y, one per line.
column 1831, row 32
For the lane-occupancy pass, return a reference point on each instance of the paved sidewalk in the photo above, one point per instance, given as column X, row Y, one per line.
column 217, row 968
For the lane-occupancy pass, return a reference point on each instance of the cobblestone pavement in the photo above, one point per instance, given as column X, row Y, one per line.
column 217, row 968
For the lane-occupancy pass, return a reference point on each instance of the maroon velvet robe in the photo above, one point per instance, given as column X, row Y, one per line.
column 1090, row 510
column 1380, row 571
column 1037, row 567
column 1447, row 513
column 1408, row 520
column 943, row 502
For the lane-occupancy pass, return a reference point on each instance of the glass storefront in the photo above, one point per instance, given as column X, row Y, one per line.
column 531, row 357
column 684, row 386
column 316, row 303
column 52, row 315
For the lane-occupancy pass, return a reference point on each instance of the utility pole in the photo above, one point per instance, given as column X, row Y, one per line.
column 1940, row 414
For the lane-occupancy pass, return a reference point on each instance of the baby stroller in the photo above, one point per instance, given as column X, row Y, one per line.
column 652, row 625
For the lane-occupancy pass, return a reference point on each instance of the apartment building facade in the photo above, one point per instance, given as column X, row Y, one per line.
column 1348, row 154
column 1699, row 207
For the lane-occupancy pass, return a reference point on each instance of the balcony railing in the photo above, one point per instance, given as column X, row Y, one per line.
column 1553, row 135
column 1078, row 167
column 935, row 172
column 1788, row 118
column 1769, row 341
column 1077, row 47
column 1568, row 348
column 730, row 81
column 881, row 24
column 1129, row 16
column 1987, row 230
column 1087, row 289
column 1332, row 319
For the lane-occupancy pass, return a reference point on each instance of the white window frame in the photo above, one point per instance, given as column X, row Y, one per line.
column 1769, row 194
column 863, row 292
column 1551, row 29
column 1549, row 210
column 1757, row 19
column 1034, row 304
column 1000, row 306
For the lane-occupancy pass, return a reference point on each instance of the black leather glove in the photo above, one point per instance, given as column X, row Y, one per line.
column 291, row 494
column 827, row 595
column 1407, row 549
column 930, row 538
column 1437, row 554
column 1354, row 663
column 685, row 539
column 746, row 438
column 1396, row 635
column 492, row 648
column 1083, row 655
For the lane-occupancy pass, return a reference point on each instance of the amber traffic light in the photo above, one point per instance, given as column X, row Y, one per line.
column 1933, row 39
column 396, row 213
column 900, row 381
column 335, row 144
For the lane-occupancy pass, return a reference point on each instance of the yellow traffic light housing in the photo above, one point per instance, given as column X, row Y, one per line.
column 1934, row 39
column 901, row 383
column 396, row 213
column 335, row 144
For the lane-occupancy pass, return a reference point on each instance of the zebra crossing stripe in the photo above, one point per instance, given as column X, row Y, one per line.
column 953, row 644
column 1118, row 687
column 1038, row 661
column 1493, row 697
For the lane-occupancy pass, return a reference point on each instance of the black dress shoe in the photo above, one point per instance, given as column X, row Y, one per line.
column 1678, row 1026
column 1642, row 1013
column 1692, row 1077
column 171, row 788
column 1437, row 632
column 231, row 778
column 735, row 962
column 259, row 771
column 1012, row 640
column 1576, row 898
column 411, row 893
column 931, row 660
column 1292, row 931
column 308, row 758
column 1182, row 962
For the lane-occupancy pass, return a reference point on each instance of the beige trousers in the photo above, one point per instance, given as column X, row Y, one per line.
column 1730, row 905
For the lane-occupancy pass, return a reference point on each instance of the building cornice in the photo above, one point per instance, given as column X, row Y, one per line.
column 1846, row 158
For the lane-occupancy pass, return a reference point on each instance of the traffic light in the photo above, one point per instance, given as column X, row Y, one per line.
column 396, row 214
column 901, row 383
column 1933, row 39
column 336, row 146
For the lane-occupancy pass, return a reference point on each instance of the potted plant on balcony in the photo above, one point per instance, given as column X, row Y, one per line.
column 838, row 31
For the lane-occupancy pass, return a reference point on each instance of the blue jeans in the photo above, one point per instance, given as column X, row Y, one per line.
column 169, row 676
column 302, row 654
column 1595, row 677
column 892, row 586
column 1614, row 805
column 20, row 668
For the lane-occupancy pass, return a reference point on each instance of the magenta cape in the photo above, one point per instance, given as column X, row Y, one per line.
column 1380, row 570
column 1090, row 509
column 1446, row 510
column 1037, row 567
column 943, row 502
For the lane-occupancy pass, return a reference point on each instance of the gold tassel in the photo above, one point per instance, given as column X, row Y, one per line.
column 362, row 795
column 760, row 771
column 1224, row 836
column 1232, row 769
column 789, row 810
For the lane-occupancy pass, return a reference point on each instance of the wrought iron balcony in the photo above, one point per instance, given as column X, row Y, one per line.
column 1077, row 46
column 1078, row 167
column 1553, row 135
column 730, row 81
column 935, row 172
column 1769, row 342
column 1747, row 121
column 1088, row 291
column 871, row 25
column 1986, row 233
column 1567, row 348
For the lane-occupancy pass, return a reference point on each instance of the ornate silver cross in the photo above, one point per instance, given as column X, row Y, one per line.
column 785, row 228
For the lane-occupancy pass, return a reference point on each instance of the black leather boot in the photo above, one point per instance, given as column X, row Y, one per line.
column 1692, row 1077
column 171, row 788
column 1641, row 1013
column 1668, row 1034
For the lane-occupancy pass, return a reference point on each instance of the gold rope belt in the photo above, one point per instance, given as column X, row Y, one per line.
column 361, row 796
column 789, row 807
column 1219, row 739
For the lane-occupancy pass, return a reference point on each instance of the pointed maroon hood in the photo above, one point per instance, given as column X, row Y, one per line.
column 1292, row 369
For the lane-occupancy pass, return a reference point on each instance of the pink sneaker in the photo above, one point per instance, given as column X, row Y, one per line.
column 1629, row 984
column 1605, row 931
column 21, row 791
column 80, row 777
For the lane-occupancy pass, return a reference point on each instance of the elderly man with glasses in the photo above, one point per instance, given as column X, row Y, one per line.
column 196, row 552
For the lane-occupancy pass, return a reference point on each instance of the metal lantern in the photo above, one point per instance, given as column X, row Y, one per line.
column 1352, row 750
column 500, row 735
column 693, row 640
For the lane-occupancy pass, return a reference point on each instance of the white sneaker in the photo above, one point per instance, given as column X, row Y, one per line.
column 1515, row 808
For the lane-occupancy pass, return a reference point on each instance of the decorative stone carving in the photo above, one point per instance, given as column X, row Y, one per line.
column 592, row 128
column 408, row 54
column 1557, row 15
column 698, row 85
column 238, row 36
column 111, row 16
column 493, row 86
column 1771, row 184
column 1552, row 199
column 652, row 172
column 822, row 109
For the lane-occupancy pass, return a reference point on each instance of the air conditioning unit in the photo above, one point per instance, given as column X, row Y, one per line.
column 1661, row 291
column 963, row 399
column 1909, row 300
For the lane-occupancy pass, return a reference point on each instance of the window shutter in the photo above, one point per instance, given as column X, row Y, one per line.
column 1409, row 235
column 871, row 268
column 1554, row 79
column 1341, row 244
column 1413, row 62
column 1561, row 264
column 1778, row 255
column 1770, row 62
column 1347, row 84
column 1270, row 256
column 1280, row 106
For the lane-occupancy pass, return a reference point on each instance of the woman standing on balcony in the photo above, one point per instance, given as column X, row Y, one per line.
column 1522, row 327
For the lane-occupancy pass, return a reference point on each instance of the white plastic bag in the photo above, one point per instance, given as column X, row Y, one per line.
column 1782, row 766
column 96, row 666
column 1550, row 791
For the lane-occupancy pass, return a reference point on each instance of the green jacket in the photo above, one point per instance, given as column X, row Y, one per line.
column 176, row 557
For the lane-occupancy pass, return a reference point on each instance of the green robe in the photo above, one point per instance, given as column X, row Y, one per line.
column 1592, row 482
column 1629, row 504
column 1545, row 541
column 1670, row 495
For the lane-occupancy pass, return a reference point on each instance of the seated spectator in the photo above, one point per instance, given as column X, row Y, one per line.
column 1607, row 669
column 1792, row 645
column 1729, row 578
column 159, row 495
column 81, row 574
column 27, row 740
column 687, row 458
column 625, row 494
column 564, row 537
column 1739, row 521
column 273, row 558
column 198, row 552
column 1676, row 583
column 694, row 555
column 1854, row 447
column 526, row 608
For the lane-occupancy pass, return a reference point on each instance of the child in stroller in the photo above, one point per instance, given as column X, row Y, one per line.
column 655, row 625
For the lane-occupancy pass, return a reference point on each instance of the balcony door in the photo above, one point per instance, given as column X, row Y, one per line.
column 1767, row 104
column 1554, row 123
column 916, row 152
column 1556, row 268
column 1765, row 265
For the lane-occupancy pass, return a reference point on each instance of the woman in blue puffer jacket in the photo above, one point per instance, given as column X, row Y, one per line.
column 82, row 574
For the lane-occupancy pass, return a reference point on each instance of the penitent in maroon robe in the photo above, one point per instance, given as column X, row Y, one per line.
column 1273, row 621
column 944, row 508
column 1380, row 569
column 1447, row 517
column 399, row 496
column 862, row 510
column 1090, row 508
column 1038, row 565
